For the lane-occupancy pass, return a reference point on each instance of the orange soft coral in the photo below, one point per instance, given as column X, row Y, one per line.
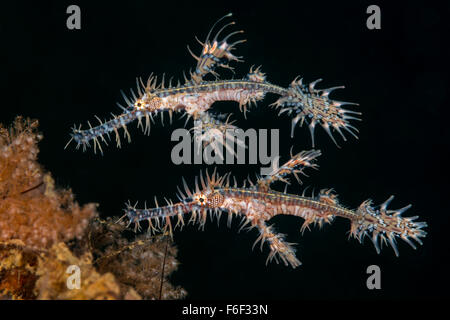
column 17, row 271
column 31, row 209
column 43, row 231
column 141, row 264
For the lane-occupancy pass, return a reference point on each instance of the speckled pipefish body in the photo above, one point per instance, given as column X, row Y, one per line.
column 195, row 97
column 258, row 203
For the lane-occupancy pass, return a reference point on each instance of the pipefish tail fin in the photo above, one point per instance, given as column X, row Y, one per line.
column 313, row 106
column 215, row 53
column 384, row 226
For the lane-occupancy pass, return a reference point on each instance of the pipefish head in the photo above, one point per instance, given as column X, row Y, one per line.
column 215, row 199
column 148, row 102
column 206, row 194
column 208, row 198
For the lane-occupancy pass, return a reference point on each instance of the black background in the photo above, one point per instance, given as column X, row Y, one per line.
column 396, row 74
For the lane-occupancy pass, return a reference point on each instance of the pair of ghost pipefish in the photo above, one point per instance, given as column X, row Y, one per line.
column 304, row 102
column 257, row 203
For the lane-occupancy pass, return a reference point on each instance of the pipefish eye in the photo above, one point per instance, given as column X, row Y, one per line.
column 201, row 199
column 139, row 104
